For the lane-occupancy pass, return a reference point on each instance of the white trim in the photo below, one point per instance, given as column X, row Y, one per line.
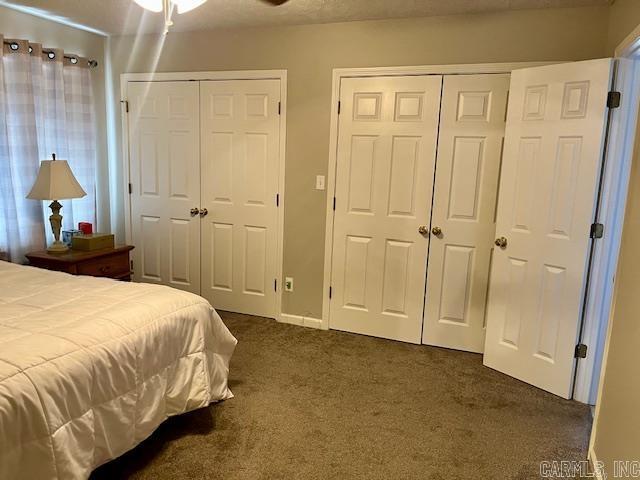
column 591, row 456
column 630, row 46
column 629, row 50
column 209, row 75
column 612, row 207
column 338, row 75
column 300, row 320
column 281, row 75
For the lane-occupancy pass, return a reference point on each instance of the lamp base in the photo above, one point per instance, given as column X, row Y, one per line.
column 57, row 247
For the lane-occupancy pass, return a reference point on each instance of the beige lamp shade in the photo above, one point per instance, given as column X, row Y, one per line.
column 55, row 182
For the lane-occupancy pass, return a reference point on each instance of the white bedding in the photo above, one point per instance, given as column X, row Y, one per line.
column 90, row 367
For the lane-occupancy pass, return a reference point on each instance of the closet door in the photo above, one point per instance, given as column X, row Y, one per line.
column 387, row 135
column 240, row 141
column 472, row 123
column 555, row 136
column 165, row 182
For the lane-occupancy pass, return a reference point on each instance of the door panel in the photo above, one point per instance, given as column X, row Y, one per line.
column 472, row 123
column 384, row 179
column 240, row 132
column 165, row 171
column 553, row 152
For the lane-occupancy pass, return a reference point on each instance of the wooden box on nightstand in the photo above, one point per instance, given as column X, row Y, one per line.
column 108, row 262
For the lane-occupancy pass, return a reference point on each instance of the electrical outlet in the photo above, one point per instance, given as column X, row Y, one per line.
column 319, row 182
column 288, row 284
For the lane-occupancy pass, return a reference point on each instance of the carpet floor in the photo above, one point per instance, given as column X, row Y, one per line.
column 312, row 404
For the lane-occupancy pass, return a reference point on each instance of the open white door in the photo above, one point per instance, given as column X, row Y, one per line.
column 553, row 151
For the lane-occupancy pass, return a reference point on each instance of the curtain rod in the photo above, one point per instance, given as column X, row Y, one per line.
column 51, row 54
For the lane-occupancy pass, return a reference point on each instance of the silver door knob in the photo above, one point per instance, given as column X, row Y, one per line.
column 203, row 212
column 437, row 231
column 501, row 242
column 194, row 211
column 423, row 230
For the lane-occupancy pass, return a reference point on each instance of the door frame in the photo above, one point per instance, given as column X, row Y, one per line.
column 281, row 75
column 338, row 75
column 624, row 143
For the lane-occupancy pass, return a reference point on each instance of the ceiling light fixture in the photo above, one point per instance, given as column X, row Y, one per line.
column 167, row 7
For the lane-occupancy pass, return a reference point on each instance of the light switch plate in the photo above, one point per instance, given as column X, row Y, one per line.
column 319, row 182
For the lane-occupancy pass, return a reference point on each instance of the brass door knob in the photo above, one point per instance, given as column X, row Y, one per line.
column 194, row 211
column 501, row 242
column 423, row 230
column 203, row 212
column 436, row 231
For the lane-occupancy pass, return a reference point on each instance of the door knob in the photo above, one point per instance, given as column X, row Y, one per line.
column 194, row 211
column 423, row 230
column 437, row 231
column 501, row 242
column 203, row 212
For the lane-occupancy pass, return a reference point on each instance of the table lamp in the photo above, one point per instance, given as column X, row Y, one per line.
column 55, row 182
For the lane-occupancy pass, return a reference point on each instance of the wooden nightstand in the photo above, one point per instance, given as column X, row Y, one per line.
column 108, row 262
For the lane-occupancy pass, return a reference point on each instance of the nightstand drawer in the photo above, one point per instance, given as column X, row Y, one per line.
column 112, row 266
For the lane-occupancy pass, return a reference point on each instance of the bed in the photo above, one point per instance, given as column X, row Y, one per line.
column 89, row 367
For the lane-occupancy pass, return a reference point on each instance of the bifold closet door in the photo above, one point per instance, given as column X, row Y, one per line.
column 165, row 182
column 554, row 141
column 240, row 141
column 472, row 124
column 387, row 134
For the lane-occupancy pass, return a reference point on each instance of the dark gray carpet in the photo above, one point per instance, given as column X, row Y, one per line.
column 312, row 404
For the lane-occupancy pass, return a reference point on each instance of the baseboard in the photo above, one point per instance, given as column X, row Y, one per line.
column 593, row 459
column 300, row 320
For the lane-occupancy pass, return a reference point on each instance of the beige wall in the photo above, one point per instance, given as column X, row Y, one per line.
column 310, row 52
column 14, row 24
column 617, row 426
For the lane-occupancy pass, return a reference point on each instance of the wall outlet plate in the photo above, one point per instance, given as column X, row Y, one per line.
column 319, row 182
column 288, row 284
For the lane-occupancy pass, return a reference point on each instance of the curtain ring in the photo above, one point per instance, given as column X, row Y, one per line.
column 14, row 46
column 51, row 55
column 30, row 49
column 73, row 60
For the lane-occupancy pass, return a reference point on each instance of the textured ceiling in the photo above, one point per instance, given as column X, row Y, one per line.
column 125, row 17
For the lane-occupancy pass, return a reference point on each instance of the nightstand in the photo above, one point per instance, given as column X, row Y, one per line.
column 108, row 262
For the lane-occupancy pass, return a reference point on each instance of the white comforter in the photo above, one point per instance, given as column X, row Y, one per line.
column 90, row 367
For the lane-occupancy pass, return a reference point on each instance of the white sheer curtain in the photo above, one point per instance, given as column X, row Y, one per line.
column 46, row 106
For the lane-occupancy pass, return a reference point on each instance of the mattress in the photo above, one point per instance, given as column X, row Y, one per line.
column 89, row 367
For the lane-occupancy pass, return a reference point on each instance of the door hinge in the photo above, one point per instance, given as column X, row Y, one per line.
column 277, row 199
column 613, row 99
column 275, row 284
column 130, row 188
column 330, row 291
column 597, row 230
column 339, row 107
column 581, row 351
column 126, row 105
column 279, row 108
column 334, row 204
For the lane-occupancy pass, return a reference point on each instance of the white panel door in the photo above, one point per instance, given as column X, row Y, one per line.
column 550, row 170
column 165, row 180
column 387, row 136
column 240, row 137
column 472, row 123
